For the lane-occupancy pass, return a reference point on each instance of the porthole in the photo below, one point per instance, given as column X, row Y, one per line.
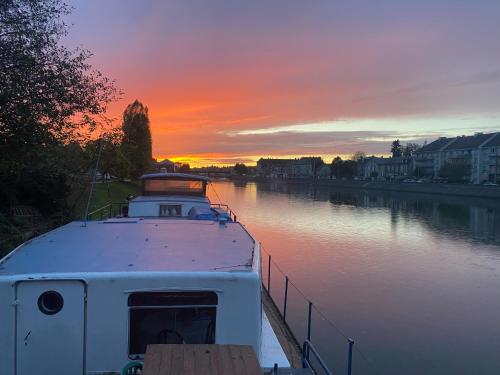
column 50, row 302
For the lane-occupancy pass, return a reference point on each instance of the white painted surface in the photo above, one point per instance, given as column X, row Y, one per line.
column 115, row 258
column 271, row 351
column 50, row 344
column 149, row 206
column 122, row 245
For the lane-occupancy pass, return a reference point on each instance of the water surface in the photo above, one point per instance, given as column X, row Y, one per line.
column 414, row 279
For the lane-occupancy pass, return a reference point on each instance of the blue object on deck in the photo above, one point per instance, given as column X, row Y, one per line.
column 201, row 213
column 221, row 213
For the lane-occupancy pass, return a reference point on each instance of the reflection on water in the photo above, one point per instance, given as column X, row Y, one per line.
column 413, row 278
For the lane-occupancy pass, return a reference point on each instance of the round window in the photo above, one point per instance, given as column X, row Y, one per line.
column 50, row 302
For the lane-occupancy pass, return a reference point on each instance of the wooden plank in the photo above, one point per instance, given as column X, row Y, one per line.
column 189, row 359
column 185, row 359
column 166, row 360
column 202, row 360
column 250, row 360
column 177, row 365
column 152, row 360
column 225, row 365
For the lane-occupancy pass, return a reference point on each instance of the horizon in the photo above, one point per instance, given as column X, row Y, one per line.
column 229, row 83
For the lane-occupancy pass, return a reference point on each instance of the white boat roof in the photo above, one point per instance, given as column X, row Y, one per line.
column 129, row 244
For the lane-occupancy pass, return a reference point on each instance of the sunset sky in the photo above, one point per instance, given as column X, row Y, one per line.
column 231, row 81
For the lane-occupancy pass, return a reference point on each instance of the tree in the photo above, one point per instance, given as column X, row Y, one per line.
column 316, row 163
column 335, row 166
column 136, row 141
column 396, row 149
column 113, row 162
column 456, row 171
column 343, row 168
column 49, row 97
column 240, row 168
column 358, row 156
column 183, row 168
column 410, row 149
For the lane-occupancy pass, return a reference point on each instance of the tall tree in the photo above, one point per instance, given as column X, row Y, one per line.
column 410, row 149
column 49, row 97
column 458, row 171
column 136, row 141
column 240, row 168
column 358, row 156
column 396, row 149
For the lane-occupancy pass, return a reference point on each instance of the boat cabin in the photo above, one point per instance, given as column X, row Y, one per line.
column 172, row 195
column 89, row 297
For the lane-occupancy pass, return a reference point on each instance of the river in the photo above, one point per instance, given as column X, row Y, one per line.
column 413, row 279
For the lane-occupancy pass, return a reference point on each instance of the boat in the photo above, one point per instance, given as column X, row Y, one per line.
column 172, row 268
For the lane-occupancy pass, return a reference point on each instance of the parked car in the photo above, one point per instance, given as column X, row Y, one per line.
column 409, row 181
column 489, row 183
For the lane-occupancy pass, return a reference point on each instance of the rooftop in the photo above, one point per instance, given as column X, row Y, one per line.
column 435, row 145
column 471, row 141
column 128, row 245
column 494, row 142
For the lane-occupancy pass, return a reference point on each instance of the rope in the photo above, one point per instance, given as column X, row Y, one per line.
column 215, row 191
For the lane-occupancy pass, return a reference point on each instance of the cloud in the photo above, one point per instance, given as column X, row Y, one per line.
column 259, row 70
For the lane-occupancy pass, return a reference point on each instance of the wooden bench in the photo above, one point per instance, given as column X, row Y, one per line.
column 187, row 359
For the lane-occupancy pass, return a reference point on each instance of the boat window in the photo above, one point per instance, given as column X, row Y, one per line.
column 171, row 318
column 170, row 210
column 168, row 187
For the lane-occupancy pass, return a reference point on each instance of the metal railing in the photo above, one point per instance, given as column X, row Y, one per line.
column 308, row 347
column 107, row 211
column 115, row 209
column 231, row 213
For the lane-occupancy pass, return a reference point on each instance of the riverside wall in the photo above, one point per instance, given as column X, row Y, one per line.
column 476, row 191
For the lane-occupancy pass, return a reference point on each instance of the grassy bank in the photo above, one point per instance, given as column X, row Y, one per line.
column 16, row 230
column 112, row 192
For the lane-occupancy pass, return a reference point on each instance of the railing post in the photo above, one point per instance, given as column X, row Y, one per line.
column 110, row 208
column 286, row 298
column 349, row 360
column 269, row 275
column 309, row 321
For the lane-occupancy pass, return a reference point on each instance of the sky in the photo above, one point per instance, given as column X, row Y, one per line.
column 232, row 81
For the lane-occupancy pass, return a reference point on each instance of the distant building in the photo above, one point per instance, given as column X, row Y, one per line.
column 324, row 172
column 430, row 157
column 369, row 168
column 289, row 168
column 480, row 151
column 468, row 149
column 489, row 160
column 394, row 169
column 165, row 166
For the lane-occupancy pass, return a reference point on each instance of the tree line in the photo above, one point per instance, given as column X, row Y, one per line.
column 53, row 107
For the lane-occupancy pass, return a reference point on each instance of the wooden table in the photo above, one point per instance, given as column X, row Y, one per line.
column 186, row 359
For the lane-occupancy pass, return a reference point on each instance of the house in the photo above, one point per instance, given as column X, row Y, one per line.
column 430, row 158
column 396, row 168
column 470, row 150
column 369, row 167
column 305, row 167
column 489, row 160
column 165, row 166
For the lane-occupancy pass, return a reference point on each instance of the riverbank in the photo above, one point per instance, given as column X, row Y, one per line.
column 475, row 191
column 15, row 230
